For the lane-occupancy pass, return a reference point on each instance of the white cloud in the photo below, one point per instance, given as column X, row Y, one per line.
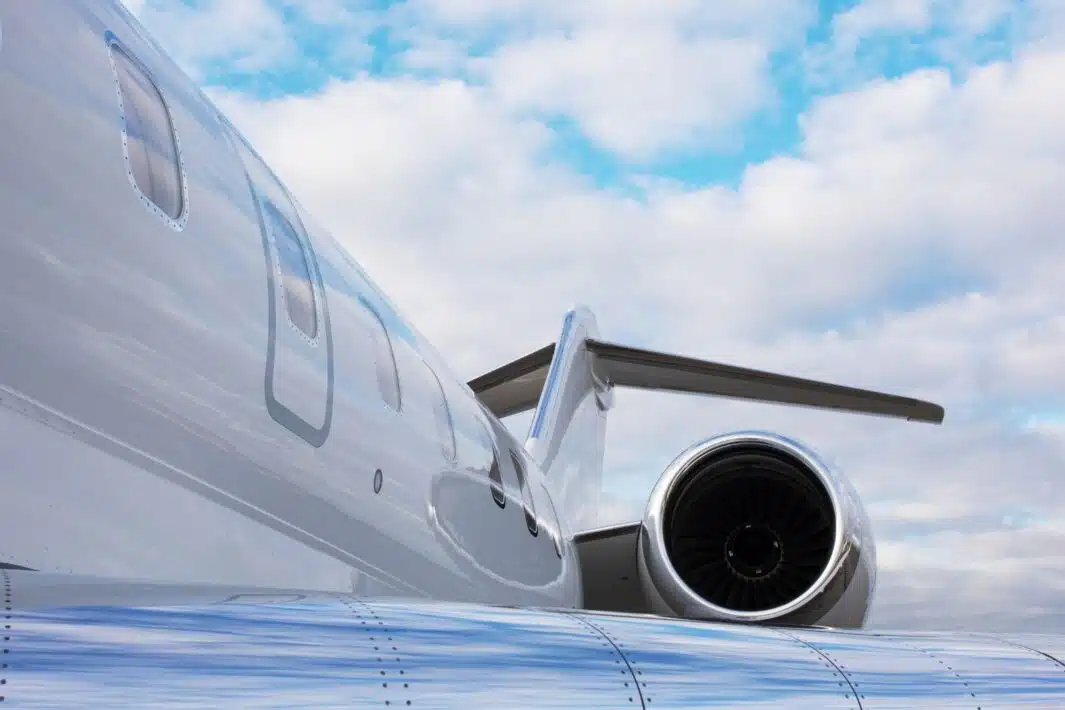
column 635, row 93
column 975, row 17
column 772, row 19
column 913, row 181
column 872, row 16
column 248, row 36
column 920, row 217
column 876, row 33
column 638, row 78
column 1047, row 21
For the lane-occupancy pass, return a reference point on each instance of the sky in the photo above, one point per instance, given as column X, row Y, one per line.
column 865, row 192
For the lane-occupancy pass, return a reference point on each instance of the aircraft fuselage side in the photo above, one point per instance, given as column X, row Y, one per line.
column 196, row 382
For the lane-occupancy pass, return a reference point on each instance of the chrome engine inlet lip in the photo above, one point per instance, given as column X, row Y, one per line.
column 676, row 594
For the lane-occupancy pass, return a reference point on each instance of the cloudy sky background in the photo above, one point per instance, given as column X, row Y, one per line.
column 865, row 192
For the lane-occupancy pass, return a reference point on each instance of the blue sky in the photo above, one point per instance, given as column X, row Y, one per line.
column 864, row 192
column 821, row 49
column 890, row 44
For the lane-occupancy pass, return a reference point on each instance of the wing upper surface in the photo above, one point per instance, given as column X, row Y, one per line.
column 248, row 648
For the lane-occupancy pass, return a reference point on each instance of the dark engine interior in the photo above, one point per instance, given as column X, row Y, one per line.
column 749, row 528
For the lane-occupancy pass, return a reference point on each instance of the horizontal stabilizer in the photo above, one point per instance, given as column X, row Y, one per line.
column 516, row 387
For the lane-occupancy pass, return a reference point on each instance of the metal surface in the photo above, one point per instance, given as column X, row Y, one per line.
column 567, row 436
column 163, row 415
column 841, row 594
column 646, row 369
column 240, row 648
column 940, row 670
column 609, row 572
column 516, row 386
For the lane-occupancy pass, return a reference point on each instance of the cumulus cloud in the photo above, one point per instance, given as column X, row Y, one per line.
column 874, row 36
column 909, row 241
column 248, row 34
column 248, row 37
column 637, row 78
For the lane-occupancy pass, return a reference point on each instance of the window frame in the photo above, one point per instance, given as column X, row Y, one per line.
column 528, row 505
column 449, row 446
column 495, row 470
column 117, row 47
column 306, row 253
column 556, row 534
column 382, row 333
column 261, row 180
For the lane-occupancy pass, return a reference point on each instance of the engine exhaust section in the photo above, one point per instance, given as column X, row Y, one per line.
column 754, row 527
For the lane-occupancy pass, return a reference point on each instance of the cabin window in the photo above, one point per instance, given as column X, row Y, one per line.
column 153, row 159
column 442, row 414
column 556, row 534
column 495, row 474
column 299, row 383
column 385, row 362
column 527, row 503
column 297, row 291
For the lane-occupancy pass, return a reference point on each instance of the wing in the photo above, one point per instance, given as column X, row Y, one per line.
column 90, row 643
column 516, row 386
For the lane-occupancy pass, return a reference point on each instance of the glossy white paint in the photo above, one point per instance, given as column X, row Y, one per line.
column 163, row 415
column 567, row 435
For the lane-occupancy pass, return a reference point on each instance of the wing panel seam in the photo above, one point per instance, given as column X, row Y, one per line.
column 624, row 659
column 830, row 660
column 943, row 663
column 5, row 646
column 372, row 623
column 1026, row 648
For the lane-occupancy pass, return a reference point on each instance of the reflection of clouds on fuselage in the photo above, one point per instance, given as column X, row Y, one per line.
column 146, row 349
column 155, row 342
column 296, row 290
column 486, row 540
column 334, row 277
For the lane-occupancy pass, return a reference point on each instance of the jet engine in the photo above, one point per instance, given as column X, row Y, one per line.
column 754, row 527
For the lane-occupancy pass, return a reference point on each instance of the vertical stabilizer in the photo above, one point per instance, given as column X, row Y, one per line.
column 568, row 429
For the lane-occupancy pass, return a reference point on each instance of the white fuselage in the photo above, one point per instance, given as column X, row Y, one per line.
column 167, row 412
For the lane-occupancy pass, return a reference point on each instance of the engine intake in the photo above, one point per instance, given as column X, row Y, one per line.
column 754, row 527
column 749, row 528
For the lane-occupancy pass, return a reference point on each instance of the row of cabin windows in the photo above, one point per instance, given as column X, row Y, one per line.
column 528, row 503
column 495, row 478
column 154, row 162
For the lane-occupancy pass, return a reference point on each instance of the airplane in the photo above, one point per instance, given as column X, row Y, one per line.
column 235, row 475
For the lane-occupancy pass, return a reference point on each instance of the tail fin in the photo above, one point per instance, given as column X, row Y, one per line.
column 570, row 384
column 568, row 429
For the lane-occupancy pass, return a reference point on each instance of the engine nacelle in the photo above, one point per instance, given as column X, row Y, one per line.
column 754, row 527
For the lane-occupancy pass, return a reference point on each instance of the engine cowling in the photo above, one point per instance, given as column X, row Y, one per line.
column 754, row 527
